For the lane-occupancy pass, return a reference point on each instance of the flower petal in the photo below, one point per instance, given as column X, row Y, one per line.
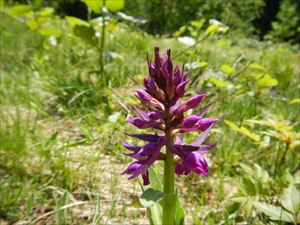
column 202, row 149
column 178, row 140
column 176, row 76
column 202, row 137
column 181, row 169
column 205, row 123
column 149, row 149
column 131, row 147
column 187, row 148
column 139, row 123
column 180, row 89
column 155, row 115
column 196, row 162
column 131, row 168
column 146, row 99
column 145, row 137
column 190, row 121
column 204, row 111
column 191, row 103
column 141, row 113
column 146, row 179
column 140, row 170
column 153, row 89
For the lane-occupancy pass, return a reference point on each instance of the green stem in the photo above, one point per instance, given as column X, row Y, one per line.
column 168, row 209
column 287, row 145
column 102, row 44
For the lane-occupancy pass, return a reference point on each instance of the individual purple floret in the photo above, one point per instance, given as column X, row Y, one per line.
column 161, row 96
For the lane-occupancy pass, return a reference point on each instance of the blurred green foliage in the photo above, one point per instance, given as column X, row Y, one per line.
column 287, row 23
column 278, row 20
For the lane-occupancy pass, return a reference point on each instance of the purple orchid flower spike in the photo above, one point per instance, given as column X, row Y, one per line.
column 162, row 97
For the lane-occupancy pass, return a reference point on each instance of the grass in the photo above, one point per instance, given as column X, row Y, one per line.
column 61, row 128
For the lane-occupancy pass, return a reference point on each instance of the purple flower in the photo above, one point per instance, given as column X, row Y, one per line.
column 145, row 157
column 162, row 95
column 192, row 155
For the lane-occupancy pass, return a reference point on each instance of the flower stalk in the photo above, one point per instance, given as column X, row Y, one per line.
column 168, row 212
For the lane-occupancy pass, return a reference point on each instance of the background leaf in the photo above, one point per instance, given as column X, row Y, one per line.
column 179, row 212
column 76, row 21
column 275, row 213
column 227, row 69
column 267, row 81
column 85, row 33
column 150, row 197
column 290, row 199
column 112, row 5
column 155, row 181
column 19, row 10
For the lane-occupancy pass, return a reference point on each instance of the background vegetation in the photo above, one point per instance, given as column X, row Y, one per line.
column 68, row 69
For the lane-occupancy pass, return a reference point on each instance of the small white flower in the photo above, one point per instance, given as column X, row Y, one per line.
column 53, row 40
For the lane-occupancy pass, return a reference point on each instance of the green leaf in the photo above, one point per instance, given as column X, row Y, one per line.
column 51, row 141
column 290, row 199
column 49, row 31
column 94, row 5
column 180, row 31
column 150, row 197
column 212, row 29
column 154, row 214
column 248, row 133
column 218, row 83
column 242, row 130
column 30, row 204
column 232, row 125
column 247, row 169
column 1, row 5
column 227, row 69
column 262, row 174
column 37, row 4
column 266, row 81
column 246, row 202
column 82, row 29
column 203, row 64
column 179, row 212
column 85, row 33
column 274, row 212
column 216, row 27
column 294, row 101
column 112, row 5
column 73, row 21
column 249, row 186
column 48, row 11
column 19, row 10
column 198, row 24
column 257, row 66
column 32, row 24
column 155, row 182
